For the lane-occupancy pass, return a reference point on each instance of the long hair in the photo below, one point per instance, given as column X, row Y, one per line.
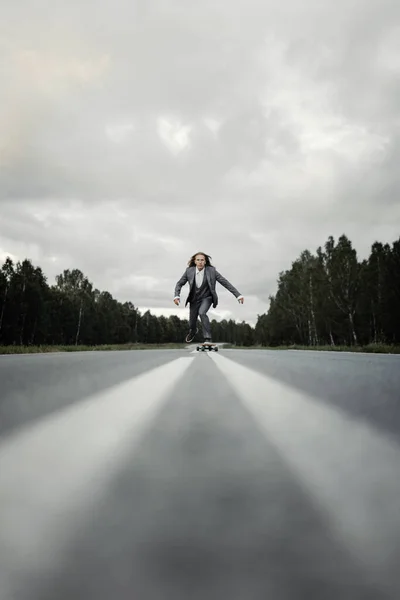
column 191, row 262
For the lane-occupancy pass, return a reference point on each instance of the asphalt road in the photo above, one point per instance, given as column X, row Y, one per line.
column 237, row 475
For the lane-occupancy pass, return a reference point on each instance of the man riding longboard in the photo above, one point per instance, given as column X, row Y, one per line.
column 202, row 278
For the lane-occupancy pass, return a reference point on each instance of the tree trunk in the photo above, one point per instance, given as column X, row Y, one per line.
column 22, row 331
column 314, row 334
column 79, row 324
column 375, row 334
column 353, row 331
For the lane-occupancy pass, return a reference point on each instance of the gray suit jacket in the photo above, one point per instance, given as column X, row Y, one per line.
column 212, row 277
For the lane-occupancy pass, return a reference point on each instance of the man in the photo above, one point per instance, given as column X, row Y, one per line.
column 202, row 277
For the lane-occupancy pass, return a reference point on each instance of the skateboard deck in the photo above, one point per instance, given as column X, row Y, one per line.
column 207, row 346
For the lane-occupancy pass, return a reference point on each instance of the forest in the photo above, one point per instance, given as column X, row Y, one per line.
column 329, row 298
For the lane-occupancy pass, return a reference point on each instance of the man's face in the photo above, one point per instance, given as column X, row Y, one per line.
column 200, row 261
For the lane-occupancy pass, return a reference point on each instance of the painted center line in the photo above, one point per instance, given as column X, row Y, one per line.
column 350, row 469
column 51, row 471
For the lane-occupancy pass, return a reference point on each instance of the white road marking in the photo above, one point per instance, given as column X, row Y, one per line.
column 349, row 468
column 50, row 471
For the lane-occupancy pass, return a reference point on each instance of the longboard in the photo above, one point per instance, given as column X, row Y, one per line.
column 207, row 346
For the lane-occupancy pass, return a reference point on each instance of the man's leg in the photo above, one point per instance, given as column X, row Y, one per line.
column 193, row 314
column 205, row 321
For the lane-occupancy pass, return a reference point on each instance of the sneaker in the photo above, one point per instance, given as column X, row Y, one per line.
column 190, row 336
column 207, row 341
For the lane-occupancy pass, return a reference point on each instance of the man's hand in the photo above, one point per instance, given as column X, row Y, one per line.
column 241, row 300
column 177, row 301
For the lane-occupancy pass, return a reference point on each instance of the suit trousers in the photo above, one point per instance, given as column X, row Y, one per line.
column 199, row 308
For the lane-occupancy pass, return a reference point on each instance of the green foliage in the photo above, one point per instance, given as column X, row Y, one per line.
column 331, row 299
column 73, row 315
column 326, row 300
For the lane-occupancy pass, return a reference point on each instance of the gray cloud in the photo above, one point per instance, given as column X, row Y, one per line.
column 133, row 134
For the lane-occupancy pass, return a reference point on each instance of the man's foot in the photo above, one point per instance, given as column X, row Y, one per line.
column 190, row 336
column 207, row 341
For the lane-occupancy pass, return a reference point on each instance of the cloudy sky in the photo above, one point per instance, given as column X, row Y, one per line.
column 135, row 133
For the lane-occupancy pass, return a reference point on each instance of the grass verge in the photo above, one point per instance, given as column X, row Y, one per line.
column 101, row 348
column 370, row 348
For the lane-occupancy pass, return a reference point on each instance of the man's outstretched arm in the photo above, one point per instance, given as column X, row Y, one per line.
column 229, row 287
column 179, row 286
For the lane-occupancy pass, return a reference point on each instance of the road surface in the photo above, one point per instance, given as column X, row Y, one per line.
column 239, row 475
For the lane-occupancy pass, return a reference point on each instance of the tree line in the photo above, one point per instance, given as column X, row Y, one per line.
column 73, row 312
column 327, row 298
column 332, row 298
